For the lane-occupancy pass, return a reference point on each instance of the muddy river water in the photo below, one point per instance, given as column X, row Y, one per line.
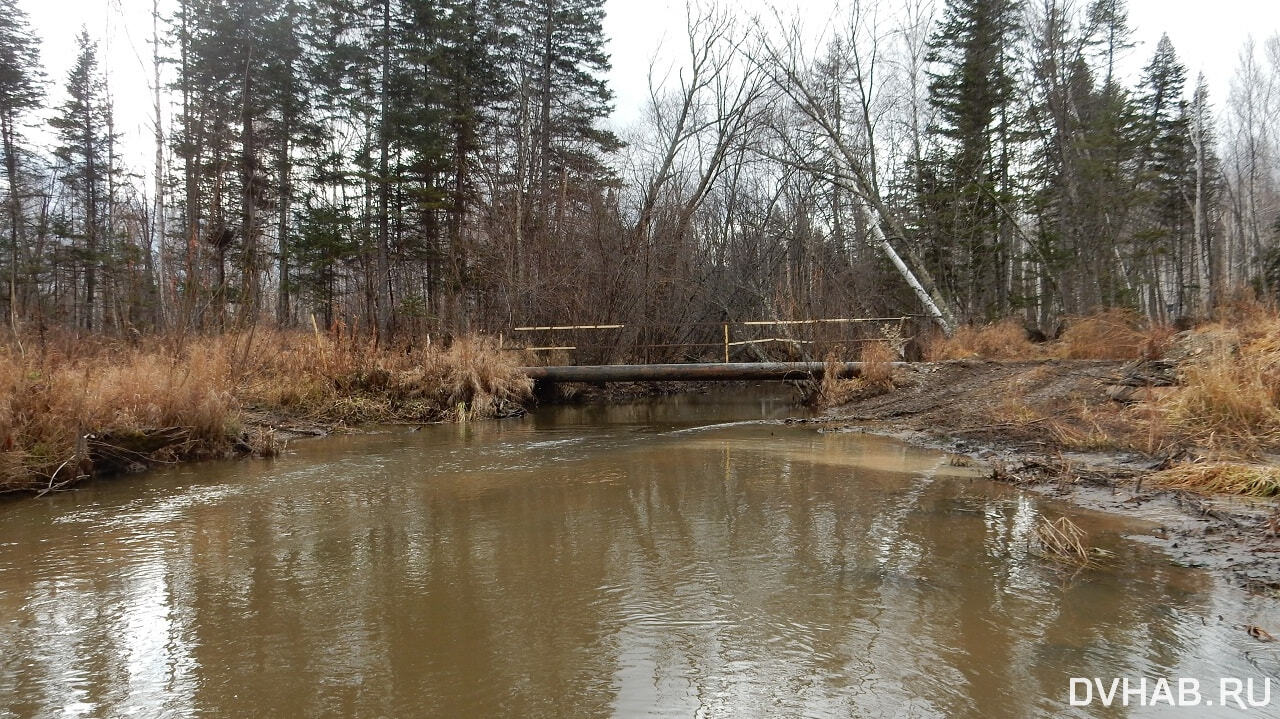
column 687, row 557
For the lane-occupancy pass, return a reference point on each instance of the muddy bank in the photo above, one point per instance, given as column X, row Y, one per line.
column 1009, row 402
column 1024, row 421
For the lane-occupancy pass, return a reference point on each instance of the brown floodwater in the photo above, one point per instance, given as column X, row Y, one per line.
column 689, row 556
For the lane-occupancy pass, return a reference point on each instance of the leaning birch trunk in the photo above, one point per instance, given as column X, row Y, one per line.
column 936, row 313
column 159, row 232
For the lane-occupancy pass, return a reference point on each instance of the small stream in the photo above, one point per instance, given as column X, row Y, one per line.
column 689, row 556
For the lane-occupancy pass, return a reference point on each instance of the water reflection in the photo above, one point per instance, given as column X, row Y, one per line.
column 581, row 562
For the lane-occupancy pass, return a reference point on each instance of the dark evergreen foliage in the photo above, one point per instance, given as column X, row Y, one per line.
column 446, row 165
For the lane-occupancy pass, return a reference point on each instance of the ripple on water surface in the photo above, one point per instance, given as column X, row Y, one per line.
column 684, row 557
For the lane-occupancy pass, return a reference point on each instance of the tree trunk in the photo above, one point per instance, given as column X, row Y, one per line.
column 90, row 221
column 160, row 233
column 384, row 312
column 15, row 214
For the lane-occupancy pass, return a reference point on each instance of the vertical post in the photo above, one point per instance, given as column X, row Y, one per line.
column 726, row 342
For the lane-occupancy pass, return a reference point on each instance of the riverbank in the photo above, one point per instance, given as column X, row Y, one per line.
column 1183, row 430
column 75, row 407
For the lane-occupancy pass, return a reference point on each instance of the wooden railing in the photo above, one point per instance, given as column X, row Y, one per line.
column 729, row 338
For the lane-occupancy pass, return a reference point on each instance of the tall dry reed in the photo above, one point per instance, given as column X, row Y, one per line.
column 61, row 395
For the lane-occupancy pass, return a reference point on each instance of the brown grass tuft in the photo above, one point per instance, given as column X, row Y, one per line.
column 1229, row 395
column 1255, row 480
column 355, row 381
column 50, row 404
column 833, row 389
column 1111, row 334
column 1245, row 313
column 1005, row 340
column 877, row 365
column 1062, row 540
column 877, row 376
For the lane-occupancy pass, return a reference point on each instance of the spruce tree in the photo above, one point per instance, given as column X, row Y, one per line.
column 565, row 41
column 1109, row 31
column 1165, row 162
column 338, row 67
column 470, row 86
column 21, row 91
column 972, row 90
column 563, row 44
column 83, row 130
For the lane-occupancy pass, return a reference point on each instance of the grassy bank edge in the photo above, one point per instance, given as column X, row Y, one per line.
column 72, row 407
column 1202, row 403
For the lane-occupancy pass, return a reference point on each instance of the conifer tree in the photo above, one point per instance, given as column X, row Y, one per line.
column 83, row 130
column 21, row 91
column 1164, row 164
column 563, row 46
column 972, row 90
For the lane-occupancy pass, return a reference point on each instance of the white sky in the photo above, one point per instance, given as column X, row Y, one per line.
column 1207, row 35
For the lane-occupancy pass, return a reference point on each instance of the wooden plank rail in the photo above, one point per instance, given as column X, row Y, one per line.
column 645, row 341
column 708, row 372
column 695, row 348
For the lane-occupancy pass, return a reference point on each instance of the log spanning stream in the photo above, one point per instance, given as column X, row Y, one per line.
column 688, row 556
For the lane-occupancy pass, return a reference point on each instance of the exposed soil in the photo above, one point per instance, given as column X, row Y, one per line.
column 967, row 398
column 961, row 407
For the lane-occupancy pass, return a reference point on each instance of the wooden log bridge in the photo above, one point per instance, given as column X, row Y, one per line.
column 703, row 372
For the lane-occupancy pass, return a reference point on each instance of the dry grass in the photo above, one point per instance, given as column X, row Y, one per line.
column 1033, row 404
column 1246, row 314
column 49, row 404
column 1255, row 480
column 354, row 381
column 833, row 389
column 876, row 376
column 877, row 365
column 1226, row 402
column 1095, row 427
column 1014, row 410
column 53, row 396
column 1076, row 425
column 1228, row 398
column 1062, row 540
column 1006, row 340
column 1111, row 334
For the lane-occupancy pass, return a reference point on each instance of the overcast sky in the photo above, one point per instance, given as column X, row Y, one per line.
column 1207, row 35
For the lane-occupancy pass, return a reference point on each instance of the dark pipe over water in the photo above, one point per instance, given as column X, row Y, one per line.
column 690, row 372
